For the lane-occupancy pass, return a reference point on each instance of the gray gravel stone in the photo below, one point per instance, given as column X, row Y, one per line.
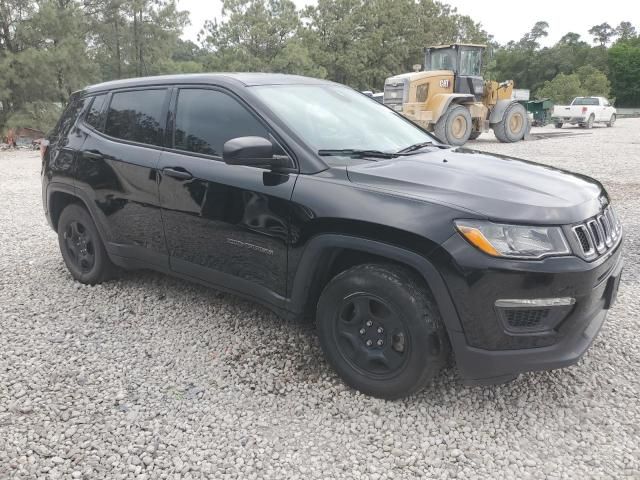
column 152, row 377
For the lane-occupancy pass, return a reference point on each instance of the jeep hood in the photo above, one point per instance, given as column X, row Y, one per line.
column 493, row 186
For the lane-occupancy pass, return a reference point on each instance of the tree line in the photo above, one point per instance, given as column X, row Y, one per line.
column 50, row 48
column 609, row 66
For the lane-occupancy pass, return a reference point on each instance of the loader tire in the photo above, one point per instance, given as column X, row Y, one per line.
column 514, row 124
column 454, row 126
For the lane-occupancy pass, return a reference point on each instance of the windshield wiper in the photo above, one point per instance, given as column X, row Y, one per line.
column 355, row 153
column 420, row 146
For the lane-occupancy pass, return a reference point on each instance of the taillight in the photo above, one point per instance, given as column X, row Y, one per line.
column 44, row 145
column 584, row 109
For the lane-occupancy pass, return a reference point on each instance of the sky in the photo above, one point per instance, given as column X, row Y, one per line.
column 504, row 20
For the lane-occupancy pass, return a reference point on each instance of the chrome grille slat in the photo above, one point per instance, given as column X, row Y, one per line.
column 606, row 229
column 608, row 214
column 597, row 235
column 612, row 223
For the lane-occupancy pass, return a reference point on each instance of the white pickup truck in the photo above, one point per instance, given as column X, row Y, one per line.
column 584, row 111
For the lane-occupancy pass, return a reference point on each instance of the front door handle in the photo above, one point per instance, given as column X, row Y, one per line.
column 89, row 155
column 177, row 172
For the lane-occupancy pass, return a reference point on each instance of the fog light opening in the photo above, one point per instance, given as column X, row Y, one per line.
column 528, row 316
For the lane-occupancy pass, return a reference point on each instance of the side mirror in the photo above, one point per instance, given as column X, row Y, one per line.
column 252, row 152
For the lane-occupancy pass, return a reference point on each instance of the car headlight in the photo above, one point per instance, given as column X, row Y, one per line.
column 514, row 241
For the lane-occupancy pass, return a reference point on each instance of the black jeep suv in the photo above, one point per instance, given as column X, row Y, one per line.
column 320, row 203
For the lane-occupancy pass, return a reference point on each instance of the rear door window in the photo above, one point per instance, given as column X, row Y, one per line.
column 137, row 116
column 95, row 115
column 206, row 119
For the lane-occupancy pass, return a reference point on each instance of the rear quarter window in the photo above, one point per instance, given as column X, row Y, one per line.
column 68, row 118
column 137, row 116
column 95, row 114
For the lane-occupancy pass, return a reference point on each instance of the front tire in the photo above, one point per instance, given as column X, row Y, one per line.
column 559, row 125
column 514, row 124
column 380, row 329
column 454, row 126
column 82, row 248
column 612, row 120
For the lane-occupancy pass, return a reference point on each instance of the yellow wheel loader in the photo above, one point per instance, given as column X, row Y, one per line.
column 451, row 99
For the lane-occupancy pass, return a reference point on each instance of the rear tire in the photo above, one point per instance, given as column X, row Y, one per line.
column 82, row 248
column 612, row 120
column 559, row 125
column 380, row 329
column 454, row 126
column 590, row 121
column 514, row 124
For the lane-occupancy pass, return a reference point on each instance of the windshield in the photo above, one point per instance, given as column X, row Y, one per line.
column 470, row 62
column 443, row 59
column 334, row 117
column 585, row 101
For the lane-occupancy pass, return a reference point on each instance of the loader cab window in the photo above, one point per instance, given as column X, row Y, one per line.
column 443, row 59
column 470, row 63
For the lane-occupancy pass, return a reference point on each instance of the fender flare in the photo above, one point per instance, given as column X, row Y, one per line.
column 58, row 187
column 315, row 252
column 451, row 98
column 497, row 113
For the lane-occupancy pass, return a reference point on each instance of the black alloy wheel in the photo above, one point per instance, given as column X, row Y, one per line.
column 380, row 329
column 370, row 336
column 80, row 246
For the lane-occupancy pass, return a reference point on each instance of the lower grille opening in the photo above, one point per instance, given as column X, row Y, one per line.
column 532, row 320
column 527, row 318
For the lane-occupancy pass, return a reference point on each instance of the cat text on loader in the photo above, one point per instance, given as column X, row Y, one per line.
column 451, row 99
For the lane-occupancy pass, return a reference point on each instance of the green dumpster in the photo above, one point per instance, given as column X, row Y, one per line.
column 541, row 110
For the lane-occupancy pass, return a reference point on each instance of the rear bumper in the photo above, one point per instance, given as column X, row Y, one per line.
column 572, row 120
column 487, row 353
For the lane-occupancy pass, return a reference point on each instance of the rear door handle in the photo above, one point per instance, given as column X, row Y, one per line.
column 177, row 172
column 92, row 155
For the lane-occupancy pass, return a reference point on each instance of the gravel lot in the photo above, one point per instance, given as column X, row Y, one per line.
column 152, row 377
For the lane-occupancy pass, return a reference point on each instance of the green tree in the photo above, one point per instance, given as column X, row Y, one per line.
column 570, row 38
column 531, row 66
column 586, row 81
column 134, row 38
column 624, row 66
column 13, row 16
column 626, row 31
column 258, row 35
column 593, row 81
column 522, row 61
column 602, row 33
column 44, row 62
column 333, row 36
column 530, row 40
column 562, row 89
column 362, row 43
